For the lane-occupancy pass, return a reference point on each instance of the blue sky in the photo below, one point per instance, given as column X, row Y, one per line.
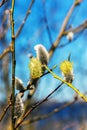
column 34, row 32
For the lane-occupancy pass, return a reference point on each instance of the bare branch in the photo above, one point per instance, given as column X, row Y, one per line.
column 77, row 29
column 5, row 110
column 13, row 64
column 3, row 2
column 46, row 23
column 7, row 50
column 56, row 43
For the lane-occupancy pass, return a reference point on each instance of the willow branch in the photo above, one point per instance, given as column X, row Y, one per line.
column 13, row 63
column 5, row 110
column 56, row 43
column 36, row 105
column 56, row 110
column 23, row 22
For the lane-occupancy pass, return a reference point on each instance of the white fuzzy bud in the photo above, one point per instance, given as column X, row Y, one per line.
column 19, row 84
column 42, row 54
column 70, row 36
column 19, row 106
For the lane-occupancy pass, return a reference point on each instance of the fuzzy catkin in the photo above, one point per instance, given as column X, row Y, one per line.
column 67, row 70
column 19, row 106
column 35, row 67
column 42, row 54
column 19, row 84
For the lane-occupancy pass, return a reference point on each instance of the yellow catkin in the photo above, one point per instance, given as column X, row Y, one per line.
column 66, row 67
column 35, row 67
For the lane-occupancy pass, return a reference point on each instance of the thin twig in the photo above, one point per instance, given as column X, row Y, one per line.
column 56, row 43
column 3, row 2
column 56, row 110
column 70, row 42
column 23, row 22
column 5, row 110
column 6, row 50
column 36, row 105
column 77, row 29
column 46, row 23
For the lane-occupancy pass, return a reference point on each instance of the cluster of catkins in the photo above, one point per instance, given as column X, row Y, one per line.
column 37, row 63
column 36, row 66
column 36, row 70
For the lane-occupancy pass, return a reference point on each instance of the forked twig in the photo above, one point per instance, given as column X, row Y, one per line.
column 77, row 29
column 56, row 43
column 47, row 25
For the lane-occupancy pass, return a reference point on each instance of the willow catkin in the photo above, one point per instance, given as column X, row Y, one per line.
column 19, row 106
column 42, row 54
column 67, row 70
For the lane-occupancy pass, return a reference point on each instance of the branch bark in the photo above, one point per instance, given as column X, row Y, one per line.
column 13, row 64
column 5, row 110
